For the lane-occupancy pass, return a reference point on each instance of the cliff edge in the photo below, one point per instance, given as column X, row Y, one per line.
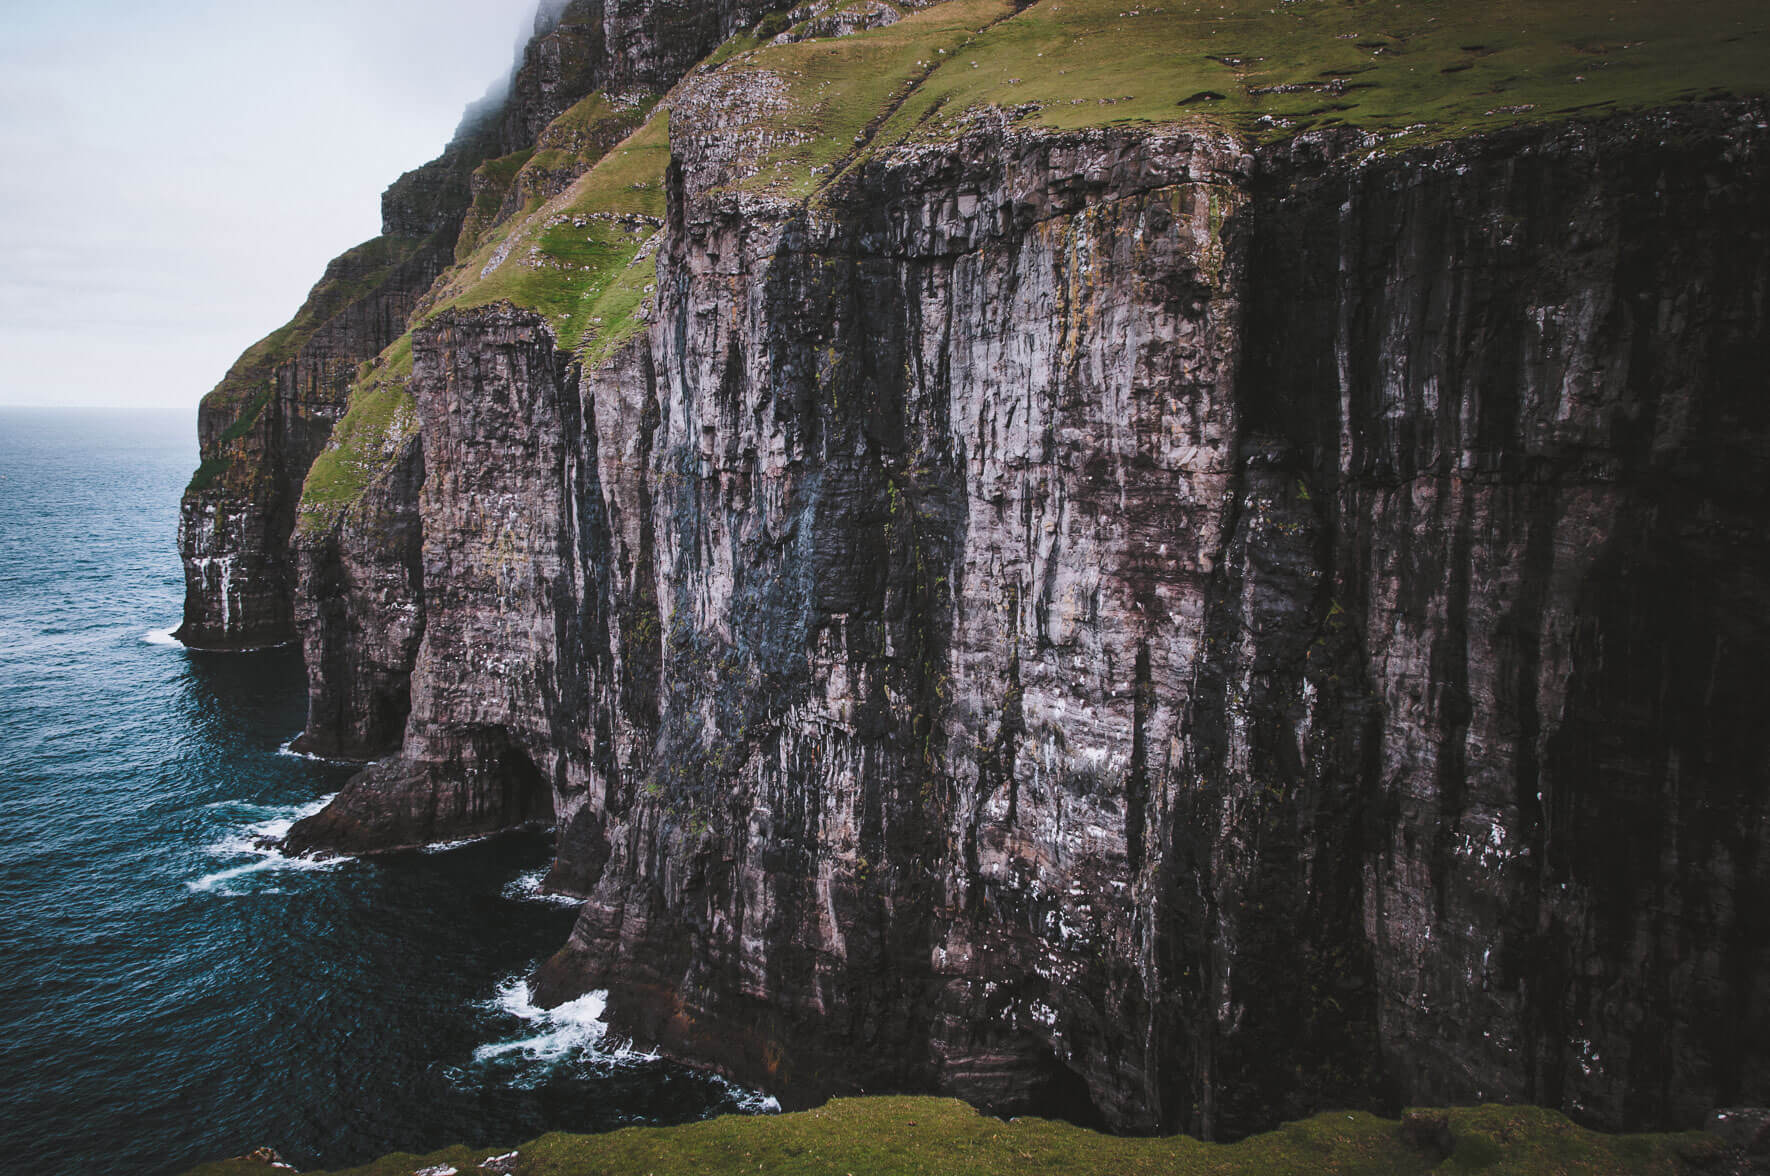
column 1169, row 568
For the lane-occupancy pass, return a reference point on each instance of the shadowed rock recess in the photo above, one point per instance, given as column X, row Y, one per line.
column 1173, row 621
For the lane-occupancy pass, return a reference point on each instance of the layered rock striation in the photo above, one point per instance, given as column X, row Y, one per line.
column 1168, row 625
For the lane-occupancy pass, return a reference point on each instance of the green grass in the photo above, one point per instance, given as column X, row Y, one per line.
column 349, row 279
column 381, row 417
column 1443, row 67
column 250, row 383
column 212, row 468
column 941, row 1137
column 576, row 259
column 570, row 146
column 584, row 134
column 838, row 89
column 1412, row 69
column 491, row 182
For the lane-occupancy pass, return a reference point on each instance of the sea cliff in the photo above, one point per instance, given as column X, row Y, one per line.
column 1034, row 554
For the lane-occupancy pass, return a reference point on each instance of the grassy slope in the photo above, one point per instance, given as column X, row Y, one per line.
column 574, row 258
column 1413, row 69
column 491, row 183
column 942, row 1137
column 1445, row 67
column 843, row 88
column 572, row 143
column 249, row 384
column 382, row 416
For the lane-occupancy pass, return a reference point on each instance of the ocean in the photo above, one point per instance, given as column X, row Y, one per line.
column 171, row 993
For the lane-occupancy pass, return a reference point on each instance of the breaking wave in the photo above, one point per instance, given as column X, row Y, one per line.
column 527, row 888
column 576, row 1034
column 287, row 747
column 255, row 840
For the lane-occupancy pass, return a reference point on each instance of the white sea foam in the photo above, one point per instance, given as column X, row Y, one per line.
column 288, row 748
column 217, row 882
column 254, row 840
column 576, row 1030
column 445, row 846
column 161, row 637
column 527, row 888
column 576, row 1033
column 751, row 1102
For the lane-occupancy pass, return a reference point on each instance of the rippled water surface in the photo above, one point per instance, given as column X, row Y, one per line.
column 168, row 991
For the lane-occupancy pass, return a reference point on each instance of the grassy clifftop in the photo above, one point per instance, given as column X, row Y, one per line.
column 249, row 385
column 1272, row 67
column 943, row 1137
column 579, row 251
column 382, row 417
column 1409, row 70
column 579, row 258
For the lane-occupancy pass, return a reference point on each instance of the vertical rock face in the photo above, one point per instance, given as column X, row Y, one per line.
column 1548, row 360
column 360, row 611
column 263, row 426
column 911, row 621
column 497, row 413
column 1125, row 625
column 620, row 46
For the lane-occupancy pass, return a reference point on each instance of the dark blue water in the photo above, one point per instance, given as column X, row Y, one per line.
column 168, row 992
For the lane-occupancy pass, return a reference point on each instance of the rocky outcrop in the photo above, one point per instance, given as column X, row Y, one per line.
column 360, row 610
column 262, row 428
column 1132, row 625
column 499, row 433
column 622, row 47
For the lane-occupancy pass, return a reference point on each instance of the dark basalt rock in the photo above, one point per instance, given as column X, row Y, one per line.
column 360, row 610
column 263, row 426
column 1745, row 1132
column 1120, row 625
column 1744, row 1128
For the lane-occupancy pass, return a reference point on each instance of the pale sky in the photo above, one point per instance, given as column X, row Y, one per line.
column 175, row 174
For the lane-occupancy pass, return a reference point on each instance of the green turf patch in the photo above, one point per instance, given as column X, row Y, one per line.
column 579, row 259
column 515, row 185
column 1276, row 67
column 1412, row 69
column 491, row 185
column 250, row 384
column 943, row 1137
column 381, row 417
column 348, row 280
column 212, row 468
column 837, row 91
